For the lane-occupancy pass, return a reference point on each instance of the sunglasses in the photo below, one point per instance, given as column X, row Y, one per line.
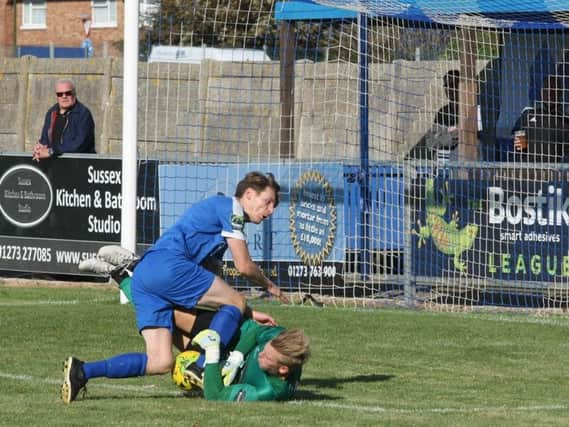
column 68, row 93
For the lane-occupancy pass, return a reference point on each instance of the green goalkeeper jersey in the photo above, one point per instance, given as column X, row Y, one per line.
column 252, row 384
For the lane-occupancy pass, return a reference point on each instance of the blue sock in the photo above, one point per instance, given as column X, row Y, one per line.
column 121, row 366
column 225, row 323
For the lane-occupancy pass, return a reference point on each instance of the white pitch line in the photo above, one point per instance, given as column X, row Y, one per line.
column 152, row 389
column 54, row 302
column 378, row 409
column 135, row 388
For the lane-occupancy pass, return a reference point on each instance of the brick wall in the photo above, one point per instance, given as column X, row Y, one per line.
column 6, row 31
column 65, row 27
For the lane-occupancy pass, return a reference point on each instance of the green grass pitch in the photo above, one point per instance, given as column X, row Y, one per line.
column 369, row 367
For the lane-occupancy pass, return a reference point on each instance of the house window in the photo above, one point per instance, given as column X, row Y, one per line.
column 33, row 14
column 104, row 13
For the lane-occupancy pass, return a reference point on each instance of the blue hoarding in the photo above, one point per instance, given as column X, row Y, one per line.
column 503, row 229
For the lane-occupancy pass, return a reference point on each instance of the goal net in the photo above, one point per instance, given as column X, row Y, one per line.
column 420, row 145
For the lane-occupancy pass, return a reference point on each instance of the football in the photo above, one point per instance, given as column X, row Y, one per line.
column 182, row 360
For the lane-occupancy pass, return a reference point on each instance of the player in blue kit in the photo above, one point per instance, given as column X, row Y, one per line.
column 172, row 275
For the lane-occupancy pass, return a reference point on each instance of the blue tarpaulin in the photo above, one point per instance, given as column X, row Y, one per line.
column 505, row 14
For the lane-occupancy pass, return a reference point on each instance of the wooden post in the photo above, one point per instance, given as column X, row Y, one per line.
column 287, row 89
column 468, row 96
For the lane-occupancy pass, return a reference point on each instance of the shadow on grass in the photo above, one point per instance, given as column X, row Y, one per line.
column 334, row 383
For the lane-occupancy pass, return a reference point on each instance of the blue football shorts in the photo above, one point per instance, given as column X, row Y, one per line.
column 162, row 281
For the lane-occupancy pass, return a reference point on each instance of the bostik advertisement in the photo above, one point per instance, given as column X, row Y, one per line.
column 505, row 229
column 60, row 211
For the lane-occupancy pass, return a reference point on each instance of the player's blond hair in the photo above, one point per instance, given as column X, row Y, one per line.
column 294, row 347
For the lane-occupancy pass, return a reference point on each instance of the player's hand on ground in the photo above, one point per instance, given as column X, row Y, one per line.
column 231, row 366
column 263, row 318
column 277, row 292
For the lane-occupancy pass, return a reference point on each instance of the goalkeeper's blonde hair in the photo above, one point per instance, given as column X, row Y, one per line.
column 294, row 347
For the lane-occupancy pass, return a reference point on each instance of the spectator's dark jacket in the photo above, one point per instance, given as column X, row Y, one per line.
column 439, row 135
column 547, row 132
column 78, row 135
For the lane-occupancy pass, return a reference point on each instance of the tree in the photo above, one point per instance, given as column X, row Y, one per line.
column 230, row 23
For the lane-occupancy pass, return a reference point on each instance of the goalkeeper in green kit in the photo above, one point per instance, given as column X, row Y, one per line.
column 266, row 363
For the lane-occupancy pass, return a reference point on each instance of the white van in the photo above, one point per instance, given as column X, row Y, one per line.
column 195, row 55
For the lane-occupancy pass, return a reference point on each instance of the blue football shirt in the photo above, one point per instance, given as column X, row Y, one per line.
column 202, row 230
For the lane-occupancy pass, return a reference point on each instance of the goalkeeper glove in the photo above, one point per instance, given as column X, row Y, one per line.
column 208, row 339
column 231, row 366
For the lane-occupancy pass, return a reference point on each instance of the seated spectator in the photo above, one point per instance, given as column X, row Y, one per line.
column 68, row 126
column 441, row 141
column 541, row 134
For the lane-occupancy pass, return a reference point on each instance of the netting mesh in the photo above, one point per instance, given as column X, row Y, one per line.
column 484, row 14
column 420, row 146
